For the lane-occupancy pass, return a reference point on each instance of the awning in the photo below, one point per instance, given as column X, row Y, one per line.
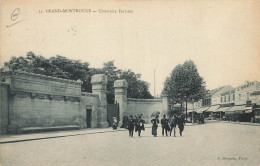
column 200, row 110
column 236, row 109
column 188, row 111
column 213, row 108
column 222, row 109
column 248, row 109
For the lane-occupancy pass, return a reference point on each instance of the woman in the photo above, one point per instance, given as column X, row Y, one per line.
column 155, row 122
column 140, row 125
column 114, row 123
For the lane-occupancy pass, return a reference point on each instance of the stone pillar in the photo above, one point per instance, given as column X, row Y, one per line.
column 4, row 118
column 165, row 106
column 99, row 82
column 121, row 97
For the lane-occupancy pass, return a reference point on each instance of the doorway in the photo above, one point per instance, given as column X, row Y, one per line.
column 89, row 117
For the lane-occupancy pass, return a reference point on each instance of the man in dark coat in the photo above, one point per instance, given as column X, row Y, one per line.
column 173, row 122
column 165, row 125
column 181, row 122
column 140, row 125
column 135, row 122
column 131, row 125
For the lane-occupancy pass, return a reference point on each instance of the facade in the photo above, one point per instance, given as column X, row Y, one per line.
column 243, row 101
column 237, row 104
column 210, row 102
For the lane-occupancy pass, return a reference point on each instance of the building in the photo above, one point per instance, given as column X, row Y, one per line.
column 237, row 104
column 210, row 103
column 242, row 103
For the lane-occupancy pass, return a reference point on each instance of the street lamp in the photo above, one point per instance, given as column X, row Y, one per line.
column 192, row 111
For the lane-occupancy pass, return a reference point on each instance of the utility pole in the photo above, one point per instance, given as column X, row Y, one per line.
column 154, row 85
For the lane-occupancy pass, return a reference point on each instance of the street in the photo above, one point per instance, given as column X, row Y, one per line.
column 209, row 144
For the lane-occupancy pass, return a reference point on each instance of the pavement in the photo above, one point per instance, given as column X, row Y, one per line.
column 209, row 144
column 58, row 134
column 54, row 134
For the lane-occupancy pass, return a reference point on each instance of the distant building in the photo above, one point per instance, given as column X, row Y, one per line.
column 237, row 104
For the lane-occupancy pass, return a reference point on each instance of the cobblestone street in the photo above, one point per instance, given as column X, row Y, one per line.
column 209, row 144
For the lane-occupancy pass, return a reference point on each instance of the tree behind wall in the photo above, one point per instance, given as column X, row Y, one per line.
column 63, row 67
column 184, row 84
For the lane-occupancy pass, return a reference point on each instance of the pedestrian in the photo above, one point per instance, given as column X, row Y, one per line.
column 140, row 125
column 155, row 122
column 165, row 125
column 135, row 123
column 123, row 122
column 181, row 122
column 114, row 123
column 131, row 126
column 173, row 122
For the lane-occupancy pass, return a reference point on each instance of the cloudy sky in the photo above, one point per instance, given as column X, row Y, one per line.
column 221, row 37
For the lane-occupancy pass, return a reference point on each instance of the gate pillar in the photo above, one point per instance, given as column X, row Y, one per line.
column 120, row 87
column 99, row 82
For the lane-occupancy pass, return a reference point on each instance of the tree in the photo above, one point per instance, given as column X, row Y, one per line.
column 184, row 84
column 63, row 67
column 136, row 88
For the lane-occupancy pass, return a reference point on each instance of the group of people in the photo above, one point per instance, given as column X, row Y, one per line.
column 168, row 125
column 136, row 124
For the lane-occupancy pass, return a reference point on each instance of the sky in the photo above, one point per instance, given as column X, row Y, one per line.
column 221, row 37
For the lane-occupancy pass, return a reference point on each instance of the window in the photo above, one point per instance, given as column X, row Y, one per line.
column 225, row 99
column 233, row 97
column 248, row 96
column 228, row 98
column 239, row 97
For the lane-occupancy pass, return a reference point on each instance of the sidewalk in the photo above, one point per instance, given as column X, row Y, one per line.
column 54, row 134
column 242, row 123
column 57, row 134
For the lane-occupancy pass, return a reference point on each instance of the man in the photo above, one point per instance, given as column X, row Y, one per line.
column 131, row 126
column 165, row 126
column 181, row 122
column 140, row 125
column 135, row 122
column 173, row 122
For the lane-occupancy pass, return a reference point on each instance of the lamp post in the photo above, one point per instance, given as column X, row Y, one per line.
column 192, row 111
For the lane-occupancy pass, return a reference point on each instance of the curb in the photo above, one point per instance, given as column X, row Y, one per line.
column 60, row 136
column 241, row 123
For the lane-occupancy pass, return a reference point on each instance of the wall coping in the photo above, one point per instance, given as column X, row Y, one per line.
column 89, row 94
column 144, row 100
column 43, row 77
column 4, row 84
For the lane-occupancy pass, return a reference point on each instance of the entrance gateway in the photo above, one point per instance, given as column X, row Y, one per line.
column 112, row 111
column 88, row 116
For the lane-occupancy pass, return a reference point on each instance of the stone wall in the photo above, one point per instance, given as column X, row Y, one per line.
column 31, row 100
column 144, row 106
column 133, row 107
column 4, row 91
